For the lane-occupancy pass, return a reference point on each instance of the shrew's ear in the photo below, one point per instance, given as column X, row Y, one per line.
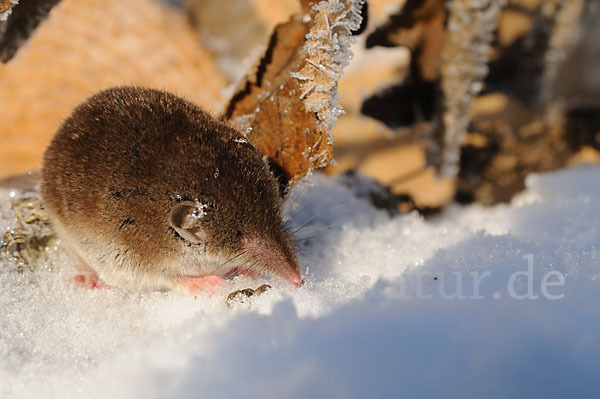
column 184, row 218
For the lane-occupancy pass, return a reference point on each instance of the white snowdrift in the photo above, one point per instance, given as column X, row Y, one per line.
column 381, row 314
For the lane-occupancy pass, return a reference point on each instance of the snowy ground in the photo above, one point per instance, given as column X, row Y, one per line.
column 390, row 308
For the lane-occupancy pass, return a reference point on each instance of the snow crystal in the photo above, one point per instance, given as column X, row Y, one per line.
column 299, row 76
column 200, row 212
column 396, row 306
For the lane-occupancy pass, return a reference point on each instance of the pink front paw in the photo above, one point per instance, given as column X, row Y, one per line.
column 89, row 281
column 87, row 278
column 198, row 285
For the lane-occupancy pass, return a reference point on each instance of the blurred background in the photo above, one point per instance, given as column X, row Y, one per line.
column 444, row 100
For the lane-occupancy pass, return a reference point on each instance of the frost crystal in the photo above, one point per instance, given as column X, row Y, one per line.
column 299, row 76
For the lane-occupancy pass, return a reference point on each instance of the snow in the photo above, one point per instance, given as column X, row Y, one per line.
column 380, row 314
column 200, row 212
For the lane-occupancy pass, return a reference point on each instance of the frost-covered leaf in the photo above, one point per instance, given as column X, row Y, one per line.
column 289, row 103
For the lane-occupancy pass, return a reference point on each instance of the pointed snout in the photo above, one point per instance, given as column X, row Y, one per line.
column 295, row 279
column 272, row 259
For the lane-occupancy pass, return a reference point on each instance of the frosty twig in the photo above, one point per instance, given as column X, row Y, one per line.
column 471, row 24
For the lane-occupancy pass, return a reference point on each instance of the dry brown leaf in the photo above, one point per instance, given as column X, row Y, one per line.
column 288, row 105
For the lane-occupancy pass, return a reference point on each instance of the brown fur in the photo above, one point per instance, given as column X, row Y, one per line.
column 120, row 163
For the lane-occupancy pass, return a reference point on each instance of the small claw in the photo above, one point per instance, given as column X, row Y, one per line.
column 198, row 285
